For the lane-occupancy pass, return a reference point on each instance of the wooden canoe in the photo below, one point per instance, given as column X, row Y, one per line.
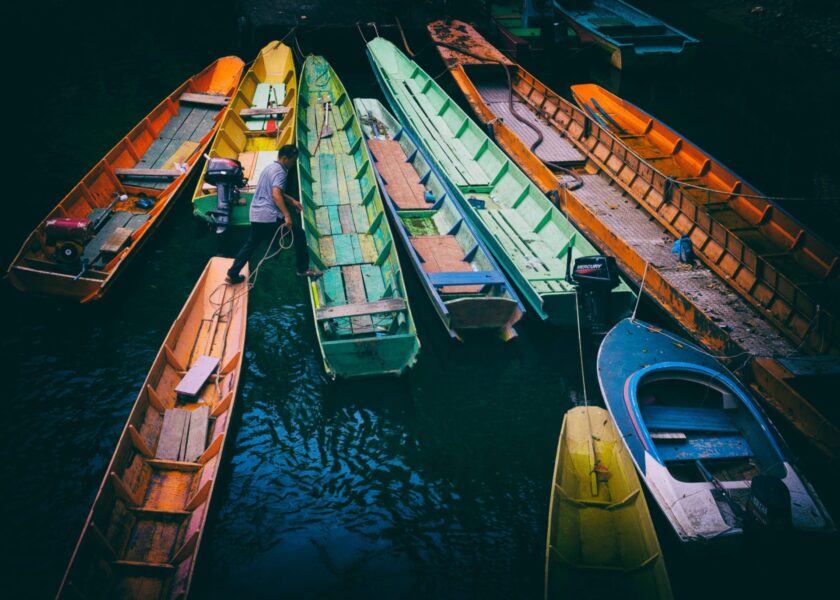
column 803, row 269
column 465, row 284
column 153, row 161
column 698, row 440
column 253, row 139
column 600, row 534
column 520, row 225
column 362, row 317
column 629, row 36
column 594, row 199
column 142, row 536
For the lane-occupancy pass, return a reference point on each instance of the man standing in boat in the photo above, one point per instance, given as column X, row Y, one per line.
column 270, row 211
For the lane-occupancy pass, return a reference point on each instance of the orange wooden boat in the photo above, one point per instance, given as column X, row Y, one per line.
column 586, row 169
column 85, row 242
column 142, row 536
column 772, row 259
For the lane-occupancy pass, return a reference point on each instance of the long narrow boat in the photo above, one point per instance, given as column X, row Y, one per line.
column 516, row 26
column 526, row 233
column 599, row 526
column 593, row 173
column 629, row 36
column 792, row 273
column 362, row 317
column 258, row 121
column 465, row 284
column 704, row 450
column 86, row 241
column 143, row 533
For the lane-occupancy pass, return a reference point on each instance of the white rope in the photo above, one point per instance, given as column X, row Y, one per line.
column 639, row 295
column 580, row 350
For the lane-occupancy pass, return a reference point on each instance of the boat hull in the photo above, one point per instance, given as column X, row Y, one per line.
column 143, row 533
column 420, row 225
column 629, row 37
column 270, row 82
column 360, row 307
column 599, row 526
column 143, row 165
column 636, row 363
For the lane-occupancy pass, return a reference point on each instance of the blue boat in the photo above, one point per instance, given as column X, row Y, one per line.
column 465, row 284
column 630, row 37
column 706, row 453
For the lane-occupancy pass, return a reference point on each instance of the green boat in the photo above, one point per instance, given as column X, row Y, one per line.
column 361, row 311
column 528, row 235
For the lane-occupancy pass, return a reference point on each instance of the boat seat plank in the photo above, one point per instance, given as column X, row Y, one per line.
column 704, row 447
column 154, row 173
column 190, row 386
column 673, row 418
column 116, row 241
column 368, row 308
column 264, row 112
column 208, row 99
column 196, row 439
column 171, row 434
column 181, row 155
column 264, row 95
column 354, row 287
column 461, row 278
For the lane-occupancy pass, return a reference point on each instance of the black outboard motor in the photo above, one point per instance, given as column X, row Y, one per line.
column 768, row 509
column 595, row 277
column 228, row 176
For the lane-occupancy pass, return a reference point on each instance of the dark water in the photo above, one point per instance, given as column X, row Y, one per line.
column 432, row 485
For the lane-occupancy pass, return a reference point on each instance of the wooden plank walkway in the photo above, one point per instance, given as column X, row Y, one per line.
column 554, row 147
column 705, row 289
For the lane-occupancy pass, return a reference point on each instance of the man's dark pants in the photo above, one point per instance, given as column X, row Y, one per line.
column 261, row 232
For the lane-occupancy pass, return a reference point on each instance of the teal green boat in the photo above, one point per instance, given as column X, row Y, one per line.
column 527, row 234
column 362, row 317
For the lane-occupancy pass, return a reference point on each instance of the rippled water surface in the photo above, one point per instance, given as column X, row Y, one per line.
column 432, row 485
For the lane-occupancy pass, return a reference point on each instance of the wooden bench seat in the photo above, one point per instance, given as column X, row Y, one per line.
column 703, row 448
column 459, row 278
column 190, row 385
column 264, row 112
column 674, row 418
column 210, row 99
column 159, row 173
column 355, row 310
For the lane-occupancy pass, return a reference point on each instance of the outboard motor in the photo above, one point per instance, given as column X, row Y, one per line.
column 228, row 176
column 595, row 277
column 768, row 509
column 69, row 237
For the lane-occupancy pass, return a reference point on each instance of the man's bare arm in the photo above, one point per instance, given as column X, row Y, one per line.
column 277, row 196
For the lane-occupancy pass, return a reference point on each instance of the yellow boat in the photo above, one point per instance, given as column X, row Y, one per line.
column 259, row 120
column 600, row 536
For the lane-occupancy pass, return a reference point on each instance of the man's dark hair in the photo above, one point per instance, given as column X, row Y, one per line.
column 287, row 151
